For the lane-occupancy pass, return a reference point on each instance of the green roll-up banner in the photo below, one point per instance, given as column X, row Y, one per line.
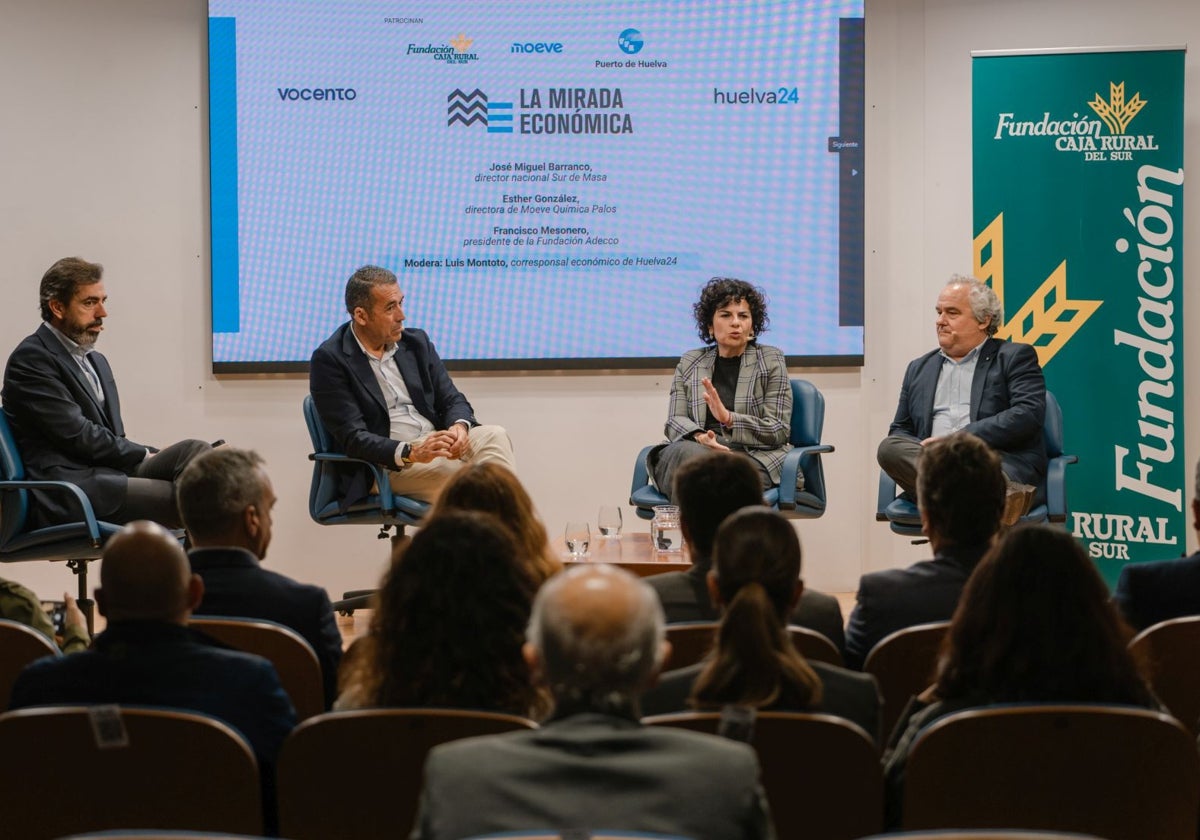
column 1078, row 214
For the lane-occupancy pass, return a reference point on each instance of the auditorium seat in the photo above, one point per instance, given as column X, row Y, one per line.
column 904, row 664
column 1171, row 650
column 19, row 645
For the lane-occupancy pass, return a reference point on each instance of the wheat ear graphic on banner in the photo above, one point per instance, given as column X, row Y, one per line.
column 1048, row 319
column 1116, row 112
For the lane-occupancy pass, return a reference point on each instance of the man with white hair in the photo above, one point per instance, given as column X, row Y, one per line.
column 976, row 383
column 596, row 641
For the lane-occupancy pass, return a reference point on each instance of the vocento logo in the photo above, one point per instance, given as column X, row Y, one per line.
column 470, row 108
column 290, row 94
column 630, row 41
column 1082, row 133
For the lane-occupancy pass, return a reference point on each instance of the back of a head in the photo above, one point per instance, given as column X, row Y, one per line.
column 214, row 491
column 710, row 488
column 144, row 575
column 756, row 562
column 1035, row 623
column 961, row 487
column 490, row 487
column 598, row 632
column 451, row 620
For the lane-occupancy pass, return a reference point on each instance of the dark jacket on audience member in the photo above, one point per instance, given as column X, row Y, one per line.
column 894, row 599
column 846, row 694
column 236, row 586
column 684, row 597
column 1148, row 593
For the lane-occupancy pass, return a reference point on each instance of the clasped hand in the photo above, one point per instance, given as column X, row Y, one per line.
column 448, row 443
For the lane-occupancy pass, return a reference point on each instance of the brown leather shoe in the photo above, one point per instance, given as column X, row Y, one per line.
column 1017, row 502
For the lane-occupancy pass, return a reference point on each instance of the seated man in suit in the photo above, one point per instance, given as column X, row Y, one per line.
column 976, row 383
column 1148, row 593
column 707, row 490
column 596, row 641
column 385, row 397
column 148, row 657
column 225, row 500
column 962, row 492
column 61, row 399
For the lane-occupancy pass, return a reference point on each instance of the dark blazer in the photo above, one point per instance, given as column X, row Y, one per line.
column 352, row 407
column 846, row 694
column 893, row 599
column 684, row 597
column 592, row 771
column 1008, row 405
column 1148, row 593
column 236, row 586
column 147, row 663
column 62, row 430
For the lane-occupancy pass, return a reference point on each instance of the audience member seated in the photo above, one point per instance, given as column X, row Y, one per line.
column 730, row 396
column 756, row 581
column 490, row 487
column 147, row 656
column 22, row 606
column 61, row 399
column 707, row 490
column 596, row 641
column 225, row 501
column 450, row 624
column 962, row 493
column 1035, row 625
column 1148, row 593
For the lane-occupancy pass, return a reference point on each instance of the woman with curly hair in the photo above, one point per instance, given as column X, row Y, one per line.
column 492, row 488
column 756, row 581
column 449, row 624
column 1034, row 625
column 732, row 394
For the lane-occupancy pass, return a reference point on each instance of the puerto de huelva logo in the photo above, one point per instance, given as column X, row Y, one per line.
column 631, row 42
column 553, row 110
column 457, row 51
column 1099, row 134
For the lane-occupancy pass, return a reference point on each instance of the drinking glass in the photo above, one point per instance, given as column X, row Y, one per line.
column 609, row 521
column 577, row 535
column 666, row 534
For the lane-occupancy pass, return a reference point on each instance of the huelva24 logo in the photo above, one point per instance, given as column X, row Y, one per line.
column 1083, row 133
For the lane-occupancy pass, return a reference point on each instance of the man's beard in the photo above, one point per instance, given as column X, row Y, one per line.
column 81, row 336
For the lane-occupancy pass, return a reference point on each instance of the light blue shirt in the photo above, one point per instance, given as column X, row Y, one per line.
column 406, row 423
column 952, row 398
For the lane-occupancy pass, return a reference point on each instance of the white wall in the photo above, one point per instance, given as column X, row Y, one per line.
column 103, row 154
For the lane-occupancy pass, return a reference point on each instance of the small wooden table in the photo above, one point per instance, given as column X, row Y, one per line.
column 633, row 553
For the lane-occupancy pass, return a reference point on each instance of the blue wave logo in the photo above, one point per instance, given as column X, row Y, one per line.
column 474, row 107
column 630, row 41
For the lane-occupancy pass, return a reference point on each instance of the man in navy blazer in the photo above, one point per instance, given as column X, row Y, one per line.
column 385, row 397
column 61, row 399
column 225, row 500
column 1148, row 593
column 972, row 383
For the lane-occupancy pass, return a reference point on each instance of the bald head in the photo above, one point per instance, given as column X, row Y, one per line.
column 145, row 576
column 596, row 634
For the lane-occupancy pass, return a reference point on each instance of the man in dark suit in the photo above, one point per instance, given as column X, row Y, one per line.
column 596, row 642
column 385, row 397
column 962, row 491
column 225, row 500
column 61, row 398
column 147, row 655
column 707, row 490
column 1148, row 593
column 972, row 383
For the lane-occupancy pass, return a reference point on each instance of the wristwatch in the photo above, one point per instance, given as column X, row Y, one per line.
column 406, row 455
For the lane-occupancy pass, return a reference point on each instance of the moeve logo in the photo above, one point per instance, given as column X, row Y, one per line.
column 630, row 42
column 316, row 94
column 536, row 47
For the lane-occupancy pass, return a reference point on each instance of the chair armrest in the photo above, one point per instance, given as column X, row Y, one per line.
column 886, row 495
column 386, row 505
column 85, row 504
column 791, row 469
column 641, row 470
column 1056, row 487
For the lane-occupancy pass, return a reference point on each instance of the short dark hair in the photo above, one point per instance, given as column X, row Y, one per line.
column 708, row 489
column 216, row 488
column 362, row 281
column 961, row 487
column 720, row 291
column 62, row 279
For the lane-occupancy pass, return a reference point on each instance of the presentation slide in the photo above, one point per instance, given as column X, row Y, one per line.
column 552, row 182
